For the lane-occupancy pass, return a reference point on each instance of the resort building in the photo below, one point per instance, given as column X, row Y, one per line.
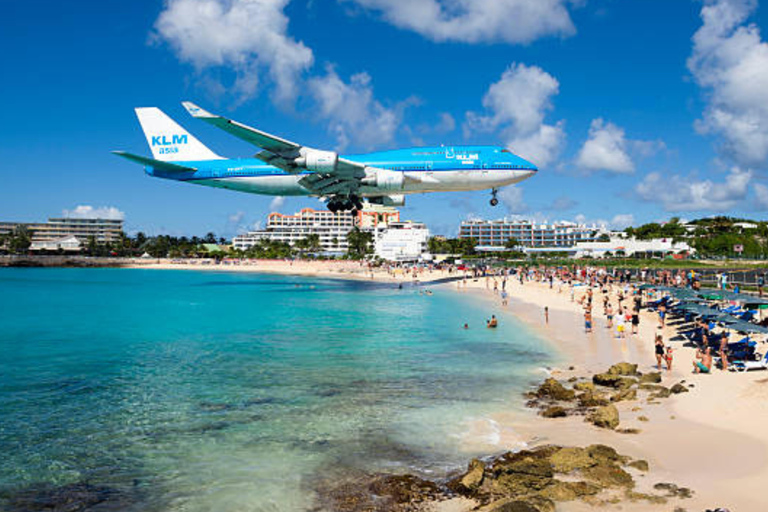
column 632, row 247
column 103, row 231
column 332, row 228
column 401, row 241
column 528, row 234
column 67, row 244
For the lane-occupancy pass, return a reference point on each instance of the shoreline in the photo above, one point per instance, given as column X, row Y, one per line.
column 711, row 439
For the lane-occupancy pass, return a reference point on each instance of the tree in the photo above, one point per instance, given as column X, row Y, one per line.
column 20, row 241
column 360, row 243
column 605, row 237
column 512, row 243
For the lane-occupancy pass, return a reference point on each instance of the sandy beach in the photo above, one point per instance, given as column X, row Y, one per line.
column 712, row 439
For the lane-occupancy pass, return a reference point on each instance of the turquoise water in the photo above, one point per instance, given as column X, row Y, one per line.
column 192, row 391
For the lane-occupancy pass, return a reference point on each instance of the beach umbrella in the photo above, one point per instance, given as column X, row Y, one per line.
column 748, row 327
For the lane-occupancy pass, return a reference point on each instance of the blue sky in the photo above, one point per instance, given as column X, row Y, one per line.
column 634, row 110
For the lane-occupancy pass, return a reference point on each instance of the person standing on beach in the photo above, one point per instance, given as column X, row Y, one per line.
column 588, row 320
column 635, row 321
column 609, row 315
column 659, row 348
column 546, row 315
column 668, row 358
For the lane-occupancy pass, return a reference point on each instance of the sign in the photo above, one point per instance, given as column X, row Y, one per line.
column 738, row 248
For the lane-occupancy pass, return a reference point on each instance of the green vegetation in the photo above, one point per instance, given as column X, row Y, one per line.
column 360, row 244
column 714, row 237
column 456, row 246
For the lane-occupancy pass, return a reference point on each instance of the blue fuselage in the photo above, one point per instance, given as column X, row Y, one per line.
column 427, row 169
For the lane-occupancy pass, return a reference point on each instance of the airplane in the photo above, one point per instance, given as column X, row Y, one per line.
column 285, row 168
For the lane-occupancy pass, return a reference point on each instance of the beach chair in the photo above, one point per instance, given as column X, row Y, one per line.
column 745, row 366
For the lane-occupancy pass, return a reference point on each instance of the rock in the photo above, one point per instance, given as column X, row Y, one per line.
column 515, row 505
column 642, row 418
column 584, row 386
column 573, row 379
column 651, row 387
column 651, row 378
column 605, row 417
column 570, row 459
column 628, row 430
column 639, row 464
column 404, row 488
column 554, row 412
column 678, row 388
column 606, row 379
column 608, row 475
column 623, row 369
column 650, row 498
column 613, row 381
column 518, row 484
column 470, row 481
column 661, row 393
column 605, row 454
column 67, row 498
column 627, row 394
column 552, row 389
column 673, row 491
column 592, row 399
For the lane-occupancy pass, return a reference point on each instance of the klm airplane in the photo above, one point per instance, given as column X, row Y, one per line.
column 285, row 168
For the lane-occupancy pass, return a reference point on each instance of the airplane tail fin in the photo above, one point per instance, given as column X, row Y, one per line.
column 169, row 141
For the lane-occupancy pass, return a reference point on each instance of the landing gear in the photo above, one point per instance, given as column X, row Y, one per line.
column 343, row 204
column 494, row 200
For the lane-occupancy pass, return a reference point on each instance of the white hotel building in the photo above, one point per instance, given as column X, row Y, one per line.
column 496, row 233
column 332, row 228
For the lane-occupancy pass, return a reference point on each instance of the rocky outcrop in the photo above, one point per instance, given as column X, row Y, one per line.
column 626, row 369
column 605, row 417
column 554, row 390
column 554, row 411
column 650, row 378
column 678, row 388
column 526, row 481
column 623, row 395
column 584, row 386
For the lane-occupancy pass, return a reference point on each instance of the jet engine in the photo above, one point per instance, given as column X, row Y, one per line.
column 318, row 161
column 384, row 179
column 393, row 200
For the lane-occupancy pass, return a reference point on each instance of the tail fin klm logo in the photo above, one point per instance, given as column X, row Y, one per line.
column 165, row 140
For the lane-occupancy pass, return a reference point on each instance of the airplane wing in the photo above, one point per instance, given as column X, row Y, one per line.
column 339, row 177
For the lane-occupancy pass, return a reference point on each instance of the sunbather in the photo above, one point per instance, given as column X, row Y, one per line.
column 703, row 362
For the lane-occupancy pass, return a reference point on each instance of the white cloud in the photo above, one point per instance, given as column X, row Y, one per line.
column 446, row 124
column 622, row 221
column 605, row 149
column 517, row 105
column 89, row 212
column 513, row 200
column 352, row 112
column 541, row 147
column 677, row 193
column 248, row 36
column 236, row 218
column 277, row 203
column 618, row 222
column 474, row 21
column 730, row 61
column 562, row 203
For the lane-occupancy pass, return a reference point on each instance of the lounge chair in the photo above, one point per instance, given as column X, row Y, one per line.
column 745, row 366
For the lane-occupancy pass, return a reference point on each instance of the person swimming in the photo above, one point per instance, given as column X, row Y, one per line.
column 492, row 323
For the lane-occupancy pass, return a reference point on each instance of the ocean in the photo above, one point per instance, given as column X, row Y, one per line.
column 208, row 391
